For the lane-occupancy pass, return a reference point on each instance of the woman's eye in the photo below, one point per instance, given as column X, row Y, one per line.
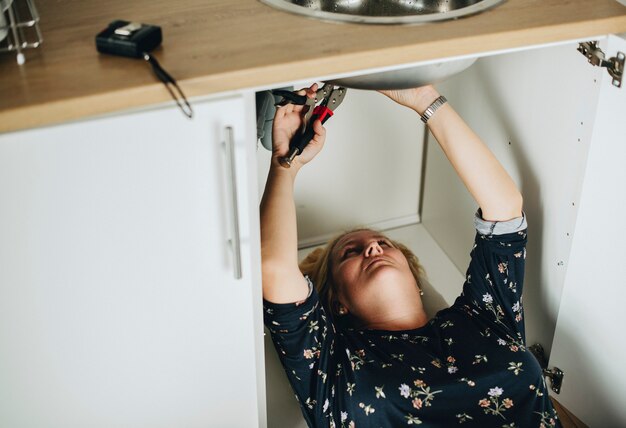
column 350, row 251
column 383, row 242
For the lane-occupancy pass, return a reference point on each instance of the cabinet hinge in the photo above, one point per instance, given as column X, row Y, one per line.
column 555, row 374
column 614, row 65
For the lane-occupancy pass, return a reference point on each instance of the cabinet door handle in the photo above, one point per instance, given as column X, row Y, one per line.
column 235, row 241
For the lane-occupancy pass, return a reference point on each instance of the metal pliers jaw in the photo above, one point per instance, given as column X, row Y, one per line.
column 330, row 98
column 290, row 97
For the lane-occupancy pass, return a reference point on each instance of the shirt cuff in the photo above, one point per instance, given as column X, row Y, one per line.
column 485, row 227
column 310, row 284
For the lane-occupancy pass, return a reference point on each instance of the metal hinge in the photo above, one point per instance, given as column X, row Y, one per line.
column 555, row 374
column 614, row 65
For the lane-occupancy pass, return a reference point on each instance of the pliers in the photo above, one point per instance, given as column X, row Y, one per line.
column 331, row 97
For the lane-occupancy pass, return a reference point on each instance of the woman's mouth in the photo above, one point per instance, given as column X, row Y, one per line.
column 375, row 262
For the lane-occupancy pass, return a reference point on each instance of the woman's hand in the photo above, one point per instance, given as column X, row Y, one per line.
column 287, row 121
column 417, row 99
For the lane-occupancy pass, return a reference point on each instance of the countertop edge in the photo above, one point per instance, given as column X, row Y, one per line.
column 55, row 112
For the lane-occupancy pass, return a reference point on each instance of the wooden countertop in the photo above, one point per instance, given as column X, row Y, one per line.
column 214, row 46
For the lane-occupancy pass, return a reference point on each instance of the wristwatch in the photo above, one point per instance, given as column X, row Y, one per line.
column 433, row 108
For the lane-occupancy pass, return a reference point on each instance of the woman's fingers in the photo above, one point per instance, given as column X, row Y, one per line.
column 309, row 92
column 283, row 110
column 320, row 131
column 315, row 145
column 312, row 90
column 289, row 117
column 319, row 138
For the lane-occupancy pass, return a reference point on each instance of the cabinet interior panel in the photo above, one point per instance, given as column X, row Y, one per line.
column 368, row 172
column 590, row 315
column 537, row 120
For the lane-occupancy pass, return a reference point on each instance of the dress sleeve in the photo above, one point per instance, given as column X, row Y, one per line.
column 495, row 276
column 303, row 336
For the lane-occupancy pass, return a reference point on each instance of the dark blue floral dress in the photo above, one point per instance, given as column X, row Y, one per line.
column 467, row 366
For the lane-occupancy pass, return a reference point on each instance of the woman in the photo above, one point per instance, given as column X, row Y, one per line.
column 353, row 336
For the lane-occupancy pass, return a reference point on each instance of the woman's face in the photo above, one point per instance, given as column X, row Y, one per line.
column 372, row 277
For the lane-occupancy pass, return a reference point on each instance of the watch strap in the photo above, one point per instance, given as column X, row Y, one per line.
column 428, row 113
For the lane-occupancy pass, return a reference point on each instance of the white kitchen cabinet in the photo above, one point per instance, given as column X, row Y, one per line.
column 554, row 121
column 119, row 300
column 119, row 305
column 588, row 342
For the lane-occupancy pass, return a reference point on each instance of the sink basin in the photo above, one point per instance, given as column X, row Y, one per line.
column 384, row 11
column 408, row 77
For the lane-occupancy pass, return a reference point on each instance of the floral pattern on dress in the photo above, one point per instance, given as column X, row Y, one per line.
column 467, row 366
column 492, row 404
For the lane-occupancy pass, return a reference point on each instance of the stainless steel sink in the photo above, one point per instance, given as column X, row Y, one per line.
column 408, row 77
column 384, row 11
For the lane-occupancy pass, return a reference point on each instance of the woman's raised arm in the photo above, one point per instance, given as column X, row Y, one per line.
column 483, row 175
column 282, row 280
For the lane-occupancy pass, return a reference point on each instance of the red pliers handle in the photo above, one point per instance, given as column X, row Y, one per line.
column 332, row 98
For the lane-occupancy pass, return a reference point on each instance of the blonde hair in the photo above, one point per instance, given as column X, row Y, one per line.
column 317, row 265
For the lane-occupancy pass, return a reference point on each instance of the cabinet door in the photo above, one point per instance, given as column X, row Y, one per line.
column 589, row 341
column 119, row 303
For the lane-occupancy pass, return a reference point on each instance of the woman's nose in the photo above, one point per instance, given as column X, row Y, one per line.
column 373, row 249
